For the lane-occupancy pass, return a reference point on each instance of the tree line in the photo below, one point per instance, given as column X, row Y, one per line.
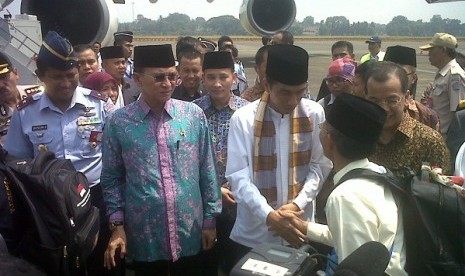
column 182, row 24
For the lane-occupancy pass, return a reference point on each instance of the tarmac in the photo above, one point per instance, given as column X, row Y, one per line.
column 319, row 50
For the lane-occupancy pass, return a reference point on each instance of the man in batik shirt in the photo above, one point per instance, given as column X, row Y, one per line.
column 219, row 105
column 158, row 175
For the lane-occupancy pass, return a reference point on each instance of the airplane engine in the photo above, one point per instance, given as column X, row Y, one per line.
column 80, row 21
column 265, row 17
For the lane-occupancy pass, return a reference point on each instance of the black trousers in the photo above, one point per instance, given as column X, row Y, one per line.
column 190, row 265
column 236, row 252
column 94, row 264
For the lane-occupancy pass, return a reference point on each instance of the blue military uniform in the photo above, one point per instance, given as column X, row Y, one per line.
column 75, row 134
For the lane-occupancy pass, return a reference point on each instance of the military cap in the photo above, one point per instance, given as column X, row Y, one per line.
column 441, row 40
column 374, row 39
column 287, row 64
column 124, row 36
column 57, row 52
column 5, row 64
column 356, row 118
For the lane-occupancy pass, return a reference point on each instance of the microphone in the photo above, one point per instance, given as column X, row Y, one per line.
column 370, row 259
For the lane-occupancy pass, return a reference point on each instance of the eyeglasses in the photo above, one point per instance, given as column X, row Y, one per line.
column 161, row 77
column 390, row 101
column 336, row 81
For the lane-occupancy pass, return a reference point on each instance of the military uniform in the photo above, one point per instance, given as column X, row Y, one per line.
column 74, row 134
column 129, row 68
column 6, row 112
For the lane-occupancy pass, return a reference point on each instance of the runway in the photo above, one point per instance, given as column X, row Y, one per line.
column 319, row 50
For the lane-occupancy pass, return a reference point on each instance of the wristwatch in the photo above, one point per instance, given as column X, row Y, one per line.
column 115, row 224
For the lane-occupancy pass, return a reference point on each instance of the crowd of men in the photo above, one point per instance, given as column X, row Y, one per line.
column 191, row 169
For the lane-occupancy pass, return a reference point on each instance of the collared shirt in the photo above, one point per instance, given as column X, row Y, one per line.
column 379, row 57
column 6, row 111
column 159, row 178
column 218, row 123
column 358, row 211
column 447, row 91
column 130, row 90
column 412, row 144
column 129, row 68
column 253, row 93
column 180, row 93
column 327, row 101
column 422, row 113
column 42, row 126
column 250, row 228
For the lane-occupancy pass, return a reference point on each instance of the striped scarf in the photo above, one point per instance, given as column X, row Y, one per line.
column 265, row 161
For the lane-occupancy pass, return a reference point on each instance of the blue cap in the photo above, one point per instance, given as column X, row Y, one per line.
column 57, row 52
column 374, row 39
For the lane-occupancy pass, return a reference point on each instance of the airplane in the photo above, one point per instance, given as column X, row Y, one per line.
column 258, row 17
column 87, row 21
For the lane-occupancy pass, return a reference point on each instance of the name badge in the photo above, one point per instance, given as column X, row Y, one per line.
column 39, row 128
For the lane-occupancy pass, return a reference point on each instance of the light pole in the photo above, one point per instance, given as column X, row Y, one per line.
column 133, row 18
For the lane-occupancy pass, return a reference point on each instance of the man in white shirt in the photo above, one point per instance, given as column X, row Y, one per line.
column 275, row 160
column 449, row 84
column 358, row 210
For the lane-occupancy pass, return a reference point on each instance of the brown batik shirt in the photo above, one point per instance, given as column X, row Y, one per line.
column 413, row 144
column 253, row 93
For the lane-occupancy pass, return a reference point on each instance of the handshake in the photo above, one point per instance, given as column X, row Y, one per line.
column 286, row 222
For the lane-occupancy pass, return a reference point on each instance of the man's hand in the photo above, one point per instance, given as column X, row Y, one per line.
column 117, row 240
column 290, row 207
column 208, row 238
column 228, row 198
column 281, row 222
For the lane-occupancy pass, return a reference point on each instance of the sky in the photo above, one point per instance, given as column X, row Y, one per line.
column 379, row 11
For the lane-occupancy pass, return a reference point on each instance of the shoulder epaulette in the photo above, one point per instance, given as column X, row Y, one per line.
column 33, row 90
column 98, row 95
column 25, row 102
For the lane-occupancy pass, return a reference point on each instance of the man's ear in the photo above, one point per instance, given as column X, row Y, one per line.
column 266, row 84
column 136, row 78
column 256, row 69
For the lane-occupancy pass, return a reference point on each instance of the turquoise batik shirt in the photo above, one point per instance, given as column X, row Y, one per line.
column 158, row 176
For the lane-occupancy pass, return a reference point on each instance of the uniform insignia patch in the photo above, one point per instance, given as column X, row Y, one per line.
column 3, row 110
column 33, row 90
column 22, row 104
column 39, row 127
column 98, row 95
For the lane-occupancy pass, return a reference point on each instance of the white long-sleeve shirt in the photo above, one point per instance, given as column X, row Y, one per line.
column 250, row 228
column 358, row 211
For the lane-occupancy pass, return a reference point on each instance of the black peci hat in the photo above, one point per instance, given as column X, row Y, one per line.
column 112, row 52
column 401, row 55
column 218, row 60
column 356, row 118
column 154, row 56
column 287, row 64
